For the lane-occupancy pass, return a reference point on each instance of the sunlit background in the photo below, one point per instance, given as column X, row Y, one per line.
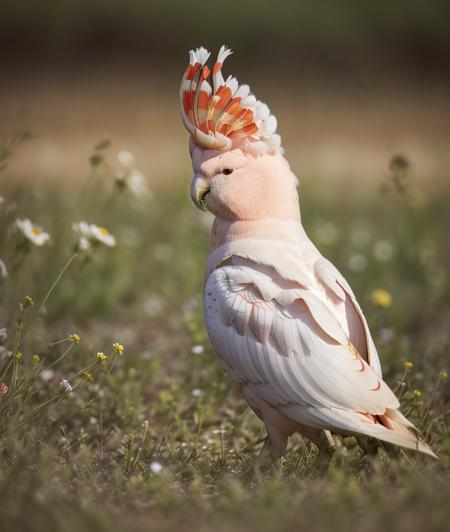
column 351, row 84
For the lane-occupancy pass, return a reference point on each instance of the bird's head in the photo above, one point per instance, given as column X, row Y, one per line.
column 239, row 169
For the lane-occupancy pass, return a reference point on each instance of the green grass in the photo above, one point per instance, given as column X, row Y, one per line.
column 83, row 460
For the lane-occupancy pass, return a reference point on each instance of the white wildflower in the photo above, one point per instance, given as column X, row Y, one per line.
column 137, row 183
column 90, row 233
column 129, row 176
column 126, row 159
column 197, row 349
column 196, row 392
column 34, row 233
column 47, row 375
column 101, row 234
column 156, row 468
column 357, row 263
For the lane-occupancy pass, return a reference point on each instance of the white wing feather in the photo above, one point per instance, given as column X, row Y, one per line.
column 284, row 344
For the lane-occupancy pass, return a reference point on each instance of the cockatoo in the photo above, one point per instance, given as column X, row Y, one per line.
column 284, row 323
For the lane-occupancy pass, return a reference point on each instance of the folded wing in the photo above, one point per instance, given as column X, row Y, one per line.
column 286, row 345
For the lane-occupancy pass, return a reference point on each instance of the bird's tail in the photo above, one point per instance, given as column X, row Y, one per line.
column 391, row 427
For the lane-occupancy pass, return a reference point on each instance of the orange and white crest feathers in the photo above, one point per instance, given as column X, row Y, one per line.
column 226, row 115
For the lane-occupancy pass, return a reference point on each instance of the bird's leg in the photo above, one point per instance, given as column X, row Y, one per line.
column 273, row 449
column 369, row 445
column 327, row 447
column 324, row 442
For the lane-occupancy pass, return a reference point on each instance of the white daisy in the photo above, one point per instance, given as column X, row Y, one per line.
column 137, row 183
column 34, row 233
column 131, row 177
column 91, row 233
column 101, row 234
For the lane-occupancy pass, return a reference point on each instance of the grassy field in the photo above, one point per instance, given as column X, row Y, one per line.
column 155, row 437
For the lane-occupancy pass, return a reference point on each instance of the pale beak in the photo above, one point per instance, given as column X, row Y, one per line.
column 199, row 189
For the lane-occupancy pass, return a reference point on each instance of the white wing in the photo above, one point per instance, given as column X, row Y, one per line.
column 284, row 344
column 348, row 310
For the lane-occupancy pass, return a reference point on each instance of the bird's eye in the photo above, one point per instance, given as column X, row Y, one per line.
column 227, row 171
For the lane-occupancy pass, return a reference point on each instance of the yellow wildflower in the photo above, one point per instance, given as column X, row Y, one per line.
column 75, row 338
column 408, row 365
column 101, row 356
column 417, row 393
column 382, row 298
column 18, row 356
column 118, row 348
column 36, row 359
column 28, row 301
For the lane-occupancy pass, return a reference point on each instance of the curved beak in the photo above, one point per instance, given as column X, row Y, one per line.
column 199, row 189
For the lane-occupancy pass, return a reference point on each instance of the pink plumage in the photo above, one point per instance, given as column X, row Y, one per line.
column 284, row 323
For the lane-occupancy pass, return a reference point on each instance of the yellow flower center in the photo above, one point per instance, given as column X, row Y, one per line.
column 36, row 230
column 103, row 231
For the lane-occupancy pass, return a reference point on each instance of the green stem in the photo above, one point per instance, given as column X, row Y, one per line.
column 399, row 385
column 86, row 368
column 56, row 281
column 39, row 408
column 59, row 341
column 53, row 286
column 428, row 410
column 15, row 361
column 60, row 357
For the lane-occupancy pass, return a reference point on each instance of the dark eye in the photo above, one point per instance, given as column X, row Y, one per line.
column 227, row 171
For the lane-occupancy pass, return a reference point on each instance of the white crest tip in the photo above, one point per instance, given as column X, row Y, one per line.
column 224, row 52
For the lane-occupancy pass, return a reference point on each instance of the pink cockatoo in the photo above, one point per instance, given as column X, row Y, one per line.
column 284, row 323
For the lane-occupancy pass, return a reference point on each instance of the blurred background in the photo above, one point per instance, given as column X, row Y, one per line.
column 351, row 83
column 361, row 93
